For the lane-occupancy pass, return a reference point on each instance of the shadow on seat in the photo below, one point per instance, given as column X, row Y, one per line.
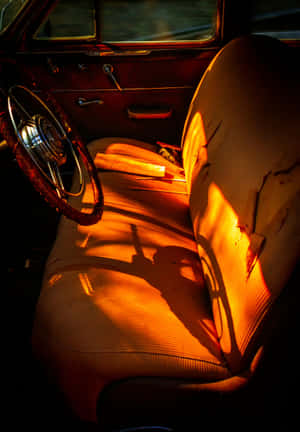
column 172, row 298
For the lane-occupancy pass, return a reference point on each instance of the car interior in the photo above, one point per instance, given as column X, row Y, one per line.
column 150, row 168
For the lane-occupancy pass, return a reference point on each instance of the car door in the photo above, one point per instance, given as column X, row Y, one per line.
column 121, row 68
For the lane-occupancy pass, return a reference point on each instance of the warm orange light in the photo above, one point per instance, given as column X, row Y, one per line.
column 239, row 297
column 220, row 227
column 195, row 146
column 86, row 284
column 54, row 279
column 84, row 243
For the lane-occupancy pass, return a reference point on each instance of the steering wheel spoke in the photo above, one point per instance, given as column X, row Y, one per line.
column 21, row 108
column 57, row 179
column 45, row 149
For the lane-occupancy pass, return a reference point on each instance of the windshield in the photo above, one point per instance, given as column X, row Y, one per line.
column 9, row 10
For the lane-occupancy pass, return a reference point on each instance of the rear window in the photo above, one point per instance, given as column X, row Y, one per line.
column 132, row 21
column 277, row 18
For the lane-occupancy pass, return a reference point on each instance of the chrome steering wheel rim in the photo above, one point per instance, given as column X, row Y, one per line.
column 45, row 140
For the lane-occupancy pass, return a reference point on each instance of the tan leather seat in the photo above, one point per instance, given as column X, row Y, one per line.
column 178, row 278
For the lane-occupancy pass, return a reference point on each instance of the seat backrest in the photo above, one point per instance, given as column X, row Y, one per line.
column 241, row 153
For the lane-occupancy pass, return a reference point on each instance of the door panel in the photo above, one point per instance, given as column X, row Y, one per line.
column 112, row 118
column 150, row 82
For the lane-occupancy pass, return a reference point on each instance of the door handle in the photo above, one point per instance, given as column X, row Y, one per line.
column 82, row 102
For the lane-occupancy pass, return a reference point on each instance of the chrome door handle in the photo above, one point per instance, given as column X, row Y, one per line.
column 82, row 102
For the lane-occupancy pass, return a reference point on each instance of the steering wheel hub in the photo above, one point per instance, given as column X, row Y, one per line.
column 41, row 137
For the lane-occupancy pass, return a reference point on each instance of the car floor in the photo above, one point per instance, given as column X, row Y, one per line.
column 28, row 230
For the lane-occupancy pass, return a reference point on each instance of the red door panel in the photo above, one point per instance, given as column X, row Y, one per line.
column 151, row 83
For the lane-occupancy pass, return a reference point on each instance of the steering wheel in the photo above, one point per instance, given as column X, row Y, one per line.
column 47, row 148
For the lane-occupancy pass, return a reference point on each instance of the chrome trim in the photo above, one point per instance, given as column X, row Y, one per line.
column 82, row 102
column 42, row 144
column 112, row 53
column 193, row 47
column 38, row 138
column 124, row 89
column 56, row 179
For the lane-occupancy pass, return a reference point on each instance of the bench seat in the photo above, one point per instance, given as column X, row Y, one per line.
column 180, row 278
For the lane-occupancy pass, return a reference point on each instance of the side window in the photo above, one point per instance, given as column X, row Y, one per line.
column 70, row 20
column 9, row 9
column 157, row 20
column 280, row 19
column 132, row 20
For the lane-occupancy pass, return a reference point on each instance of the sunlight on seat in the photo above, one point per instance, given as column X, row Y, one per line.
column 220, row 224
column 195, row 145
column 88, row 196
column 86, row 284
column 54, row 279
column 237, row 297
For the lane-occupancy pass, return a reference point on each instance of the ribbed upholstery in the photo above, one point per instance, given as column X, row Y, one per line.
column 241, row 151
column 176, row 279
column 126, row 297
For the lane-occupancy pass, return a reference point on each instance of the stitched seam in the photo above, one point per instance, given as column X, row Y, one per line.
column 262, row 310
column 220, row 365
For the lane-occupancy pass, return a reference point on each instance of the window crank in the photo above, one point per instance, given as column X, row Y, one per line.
column 108, row 70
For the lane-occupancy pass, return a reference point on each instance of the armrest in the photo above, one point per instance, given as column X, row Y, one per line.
column 149, row 113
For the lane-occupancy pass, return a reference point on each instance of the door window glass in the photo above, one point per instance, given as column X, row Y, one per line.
column 132, row 20
column 157, row 20
column 70, row 20
column 277, row 18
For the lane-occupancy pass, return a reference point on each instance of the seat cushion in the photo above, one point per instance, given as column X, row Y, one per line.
column 126, row 297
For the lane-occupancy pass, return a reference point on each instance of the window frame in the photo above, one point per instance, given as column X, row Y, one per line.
column 86, row 38
column 24, row 5
column 96, row 40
